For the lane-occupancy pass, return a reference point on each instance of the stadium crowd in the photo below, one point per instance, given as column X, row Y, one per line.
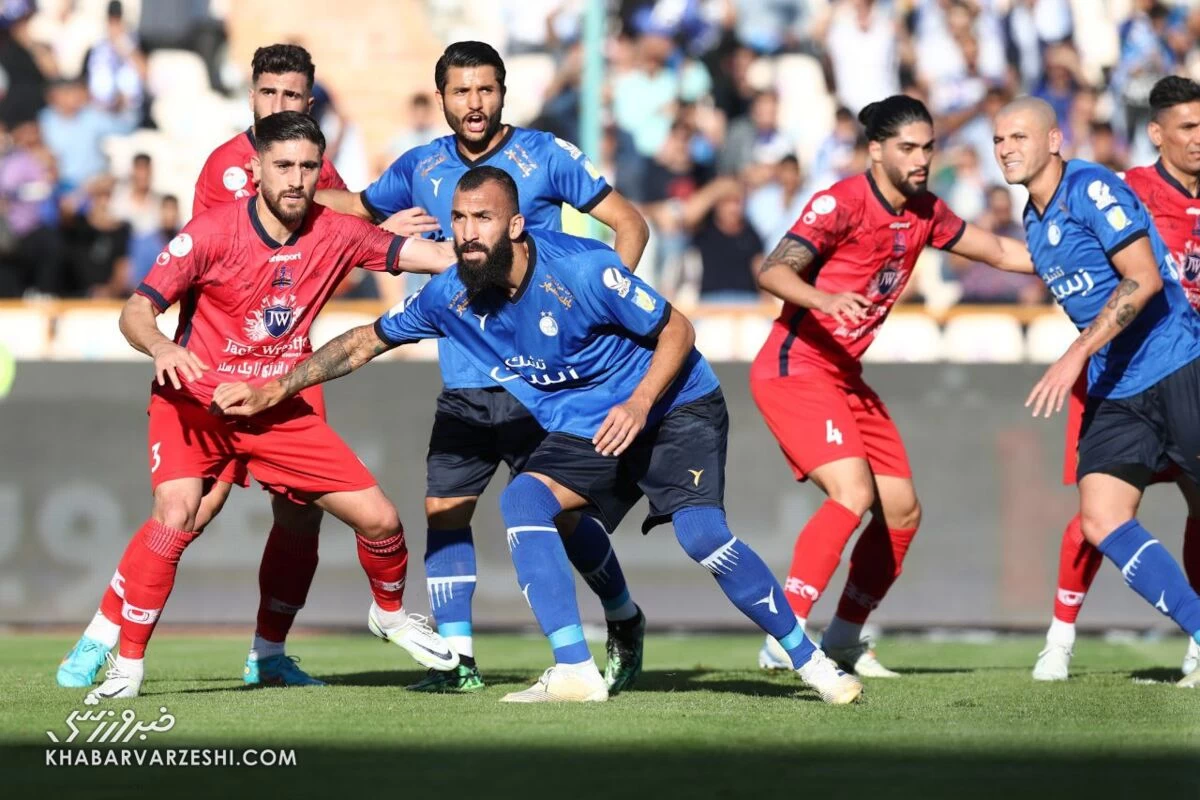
column 722, row 117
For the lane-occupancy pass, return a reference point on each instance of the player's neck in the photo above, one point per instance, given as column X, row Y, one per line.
column 891, row 195
column 277, row 230
column 1188, row 181
column 465, row 148
column 516, row 277
column 1045, row 184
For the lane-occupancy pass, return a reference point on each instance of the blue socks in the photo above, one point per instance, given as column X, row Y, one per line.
column 742, row 576
column 450, row 579
column 1151, row 572
column 592, row 556
column 543, row 572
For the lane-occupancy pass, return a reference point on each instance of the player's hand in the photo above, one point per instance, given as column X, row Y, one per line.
column 172, row 361
column 244, row 400
column 410, row 222
column 1055, row 386
column 621, row 427
column 848, row 308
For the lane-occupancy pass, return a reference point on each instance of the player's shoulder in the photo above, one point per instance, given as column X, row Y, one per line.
column 423, row 155
column 235, row 147
column 545, row 141
column 1088, row 179
column 322, row 218
column 555, row 245
column 1142, row 177
column 848, row 194
column 220, row 220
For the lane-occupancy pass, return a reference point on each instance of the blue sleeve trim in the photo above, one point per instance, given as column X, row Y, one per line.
column 393, row 255
column 151, row 294
column 375, row 213
column 1128, row 240
column 662, row 322
column 954, row 239
column 383, row 336
column 587, row 207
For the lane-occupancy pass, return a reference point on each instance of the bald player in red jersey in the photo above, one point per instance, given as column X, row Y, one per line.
column 250, row 277
column 1170, row 188
column 839, row 271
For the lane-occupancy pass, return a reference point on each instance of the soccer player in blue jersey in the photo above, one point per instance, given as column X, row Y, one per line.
column 1095, row 246
column 478, row 425
column 609, row 369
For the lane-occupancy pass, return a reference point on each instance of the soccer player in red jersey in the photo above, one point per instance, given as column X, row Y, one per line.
column 1170, row 188
column 282, row 78
column 251, row 276
column 839, row 271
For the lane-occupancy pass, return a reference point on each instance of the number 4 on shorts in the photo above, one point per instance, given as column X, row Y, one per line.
column 832, row 434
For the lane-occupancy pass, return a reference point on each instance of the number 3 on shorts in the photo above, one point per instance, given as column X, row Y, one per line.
column 158, row 459
column 832, row 435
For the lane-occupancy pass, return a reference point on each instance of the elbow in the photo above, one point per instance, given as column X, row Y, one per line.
column 1153, row 282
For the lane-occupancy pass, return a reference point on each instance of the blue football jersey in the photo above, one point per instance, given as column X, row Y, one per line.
column 1092, row 215
column 548, row 172
column 574, row 341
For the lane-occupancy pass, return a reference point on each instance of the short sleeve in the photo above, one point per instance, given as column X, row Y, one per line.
column 412, row 319
column 1111, row 211
column 179, row 266
column 947, row 227
column 391, row 191
column 204, row 198
column 824, row 224
column 374, row 249
column 329, row 177
column 573, row 176
column 618, row 297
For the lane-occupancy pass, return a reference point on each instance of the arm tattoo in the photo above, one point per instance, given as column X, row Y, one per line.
column 791, row 254
column 339, row 357
column 1124, row 312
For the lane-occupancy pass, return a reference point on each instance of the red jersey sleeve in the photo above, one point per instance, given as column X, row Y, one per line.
column 204, row 197
column 373, row 248
column 947, row 226
column 826, row 222
column 178, row 267
column 329, row 177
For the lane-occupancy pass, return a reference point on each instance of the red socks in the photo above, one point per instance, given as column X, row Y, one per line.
column 289, row 562
column 1078, row 562
column 817, row 553
column 386, row 565
column 149, row 567
column 875, row 564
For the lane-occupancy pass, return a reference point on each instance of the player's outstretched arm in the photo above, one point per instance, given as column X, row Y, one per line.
column 626, row 421
column 782, row 274
column 1001, row 252
column 1140, row 281
column 140, row 329
column 339, row 357
column 344, row 202
column 425, row 256
column 628, row 224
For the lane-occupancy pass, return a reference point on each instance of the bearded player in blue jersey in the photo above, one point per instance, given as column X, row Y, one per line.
column 609, row 370
column 478, row 425
column 1095, row 246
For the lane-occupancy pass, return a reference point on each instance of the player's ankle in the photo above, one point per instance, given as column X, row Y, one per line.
column 1061, row 632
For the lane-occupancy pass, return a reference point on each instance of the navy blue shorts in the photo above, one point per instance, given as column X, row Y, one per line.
column 475, row 430
column 679, row 463
column 1135, row 437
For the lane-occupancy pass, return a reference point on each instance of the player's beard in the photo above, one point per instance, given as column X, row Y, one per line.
column 905, row 183
column 289, row 217
column 481, row 279
column 458, row 125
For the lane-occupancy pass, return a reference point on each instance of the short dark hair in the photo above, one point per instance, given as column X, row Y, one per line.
column 287, row 126
column 468, row 54
column 1172, row 91
column 141, row 158
column 884, row 119
column 280, row 59
column 478, row 176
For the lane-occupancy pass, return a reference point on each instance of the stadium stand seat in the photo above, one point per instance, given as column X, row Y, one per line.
column 984, row 337
column 25, row 332
column 907, row 337
column 1048, row 337
column 84, row 334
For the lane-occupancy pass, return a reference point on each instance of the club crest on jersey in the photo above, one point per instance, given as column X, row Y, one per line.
column 885, row 281
column 899, row 244
column 1053, row 235
column 283, row 277
column 275, row 318
column 521, row 158
column 1195, row 214
column 547, row 324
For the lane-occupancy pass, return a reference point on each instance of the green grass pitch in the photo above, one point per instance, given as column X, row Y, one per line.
column 965, row 721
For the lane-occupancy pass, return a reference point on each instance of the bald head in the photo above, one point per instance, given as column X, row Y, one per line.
column 1026, row 139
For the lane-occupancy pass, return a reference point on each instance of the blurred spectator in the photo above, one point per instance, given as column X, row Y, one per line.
column 732, row 90
column 184, row 25
column 97, row 246
column 769, row 26
column 1102, row 147
column 730, row 250
column 1076, row 126
column 967, row 186
column 1145, row 57
column 74, row 130
column 861, row 42
column 540, row 26
column 833, row 156
column 30, row 247
column 135, row 203
column 424, row 125
column 23, row 84
column 1061, row 80
column 774, row 207
column 984, row 284
column 646, row 98
column 754, row 143
column 114, row 68
column 1031, row 26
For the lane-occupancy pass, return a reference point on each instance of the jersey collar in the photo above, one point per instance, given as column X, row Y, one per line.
column 250, row 136
column 475, row 162
column 879, row 196
column 529, row 268
column 256, row 223
column 1170, row 179
column 1029, row 206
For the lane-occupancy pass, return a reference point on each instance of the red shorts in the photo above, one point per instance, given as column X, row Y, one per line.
column 290, row 449
column 235, row 472
column 816, row 421
column 1076, row 405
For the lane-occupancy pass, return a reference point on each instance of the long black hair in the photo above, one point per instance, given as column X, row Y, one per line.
column 884, row 119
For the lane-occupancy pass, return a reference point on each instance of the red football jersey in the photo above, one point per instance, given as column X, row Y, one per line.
column 224, row 176
column 246, row 301
column 862, row 245
column 1177, row 216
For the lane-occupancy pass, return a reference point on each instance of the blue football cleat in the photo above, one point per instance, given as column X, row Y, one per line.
column 281, row 670
column 79, row 667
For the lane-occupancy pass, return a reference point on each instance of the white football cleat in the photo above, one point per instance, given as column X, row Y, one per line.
column 1191, row 659
column 422, row 642
column 859, row 660
column 1190, row 681
column 773, row 656
column 834, row 686
column 564, row 683
column 118, row 685
column 1054, row 663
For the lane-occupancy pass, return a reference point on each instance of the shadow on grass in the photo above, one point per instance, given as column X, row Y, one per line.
column 675, row 770
column 1157, row 674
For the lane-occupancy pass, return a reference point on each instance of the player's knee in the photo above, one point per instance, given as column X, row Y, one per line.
column 858, row 496
column 176, row 510
column 449, row 513
column 906, row 517
column 381, row 522
column 1096, row 524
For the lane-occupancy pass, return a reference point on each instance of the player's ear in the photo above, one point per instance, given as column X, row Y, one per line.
column 875, row 150
column 308, row 106
column 1056, row 141
column 256, row 168
column 516, row 226
column 1156, row 134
